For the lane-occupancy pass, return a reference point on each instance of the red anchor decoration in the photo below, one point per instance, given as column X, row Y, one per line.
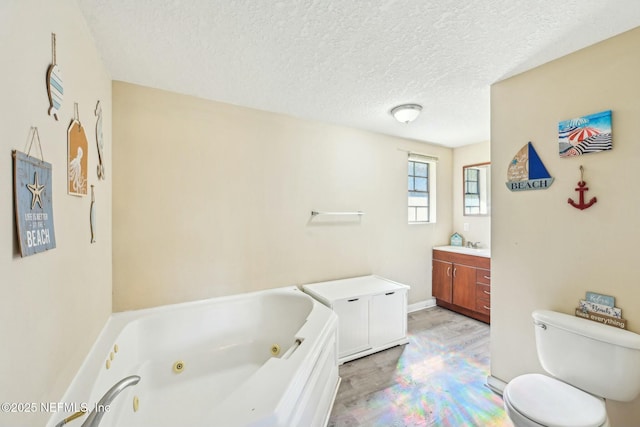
column 582, row 189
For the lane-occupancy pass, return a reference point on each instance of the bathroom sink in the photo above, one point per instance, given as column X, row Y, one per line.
column 484, row 252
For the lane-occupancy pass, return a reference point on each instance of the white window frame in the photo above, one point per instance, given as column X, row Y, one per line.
column 431, row 183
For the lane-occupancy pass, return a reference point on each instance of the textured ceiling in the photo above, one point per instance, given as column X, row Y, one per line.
column 349, row 62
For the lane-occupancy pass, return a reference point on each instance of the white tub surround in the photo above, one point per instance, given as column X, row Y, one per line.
column 263, row 358
column 372, row 313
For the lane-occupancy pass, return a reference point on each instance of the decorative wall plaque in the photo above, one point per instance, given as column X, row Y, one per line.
column 527, row 172
column 77, row 157
column 92, row 216
column 600, row 308
column 100, row 141
column 581, row 189
column 55, row 90
column 33, row 204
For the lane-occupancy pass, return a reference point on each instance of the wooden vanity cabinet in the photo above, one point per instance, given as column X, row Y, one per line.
column 462, row 283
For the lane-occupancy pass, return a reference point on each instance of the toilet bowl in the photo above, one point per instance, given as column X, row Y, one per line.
column 587, row 362
column 535, row 400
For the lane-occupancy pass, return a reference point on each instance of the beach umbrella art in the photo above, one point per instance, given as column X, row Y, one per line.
column 581, row 134
column 584, row 135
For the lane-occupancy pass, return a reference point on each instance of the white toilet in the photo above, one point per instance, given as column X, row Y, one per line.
column 589, row 362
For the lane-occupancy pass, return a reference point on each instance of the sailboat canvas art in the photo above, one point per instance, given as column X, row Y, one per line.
column 587, row 134
column 527, row 172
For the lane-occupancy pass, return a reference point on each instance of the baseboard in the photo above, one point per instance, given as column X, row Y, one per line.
column 363, row 353
column 429, row 302
column 496, row 384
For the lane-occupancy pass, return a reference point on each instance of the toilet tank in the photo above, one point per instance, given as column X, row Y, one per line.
column 599, row 359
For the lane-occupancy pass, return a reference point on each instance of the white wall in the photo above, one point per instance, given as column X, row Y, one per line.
column 545, row 253
column 479, row 226
column 53, row 304
column 213, row 199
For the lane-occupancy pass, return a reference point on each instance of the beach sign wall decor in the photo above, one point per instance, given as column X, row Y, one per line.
column 32, row 194
column 584, row 135
column 527, row 172
column 33, row 204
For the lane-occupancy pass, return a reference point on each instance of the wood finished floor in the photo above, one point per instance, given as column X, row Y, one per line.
column 438, row 379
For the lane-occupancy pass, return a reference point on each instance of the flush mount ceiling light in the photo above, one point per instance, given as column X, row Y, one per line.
column 406, row 113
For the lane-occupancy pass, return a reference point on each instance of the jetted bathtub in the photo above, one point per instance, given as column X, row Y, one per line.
column 265, row 359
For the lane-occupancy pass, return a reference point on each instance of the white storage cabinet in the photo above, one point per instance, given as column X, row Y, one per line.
column 372, row 313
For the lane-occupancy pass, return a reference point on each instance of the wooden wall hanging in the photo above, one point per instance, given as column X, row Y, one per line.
column 33, row 200
column 55, row 89
column 100, row 141
column 601, row 308
column 77, row 151
column 92, row 216
column 527, row 172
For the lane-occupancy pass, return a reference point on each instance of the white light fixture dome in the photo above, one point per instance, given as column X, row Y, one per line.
column 406, row 113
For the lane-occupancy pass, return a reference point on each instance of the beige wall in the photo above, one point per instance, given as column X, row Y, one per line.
column 53, row 304
column 479, row 226
column 213, row 199
column 546, row 254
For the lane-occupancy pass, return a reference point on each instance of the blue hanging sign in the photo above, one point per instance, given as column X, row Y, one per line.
column 33, row 204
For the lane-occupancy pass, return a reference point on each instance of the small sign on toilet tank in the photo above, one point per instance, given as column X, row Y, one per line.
column 596, row 298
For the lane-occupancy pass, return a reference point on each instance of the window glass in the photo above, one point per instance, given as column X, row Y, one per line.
column 418, row 191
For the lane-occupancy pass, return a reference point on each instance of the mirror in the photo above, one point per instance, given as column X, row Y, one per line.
column 476, row 189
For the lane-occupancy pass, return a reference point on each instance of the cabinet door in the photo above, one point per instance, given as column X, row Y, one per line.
column 441, row 277
column 353, row 325
column 464, row 286
column 388, row 318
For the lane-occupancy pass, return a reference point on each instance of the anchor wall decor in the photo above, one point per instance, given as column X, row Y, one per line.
column 582, row 188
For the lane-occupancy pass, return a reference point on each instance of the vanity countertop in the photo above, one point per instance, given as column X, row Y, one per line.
column 483, row 252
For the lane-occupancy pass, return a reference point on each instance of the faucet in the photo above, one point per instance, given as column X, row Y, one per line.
column 474, row 245
column 94, row 418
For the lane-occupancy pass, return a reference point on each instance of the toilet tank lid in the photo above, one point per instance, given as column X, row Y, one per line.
column 588, row 328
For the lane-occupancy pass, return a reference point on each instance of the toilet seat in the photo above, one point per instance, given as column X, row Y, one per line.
column 550, row 402
column 516, row 417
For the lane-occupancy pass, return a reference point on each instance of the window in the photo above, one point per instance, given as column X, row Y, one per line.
column 476, row 189
column 472, row 191
column 421, row 189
